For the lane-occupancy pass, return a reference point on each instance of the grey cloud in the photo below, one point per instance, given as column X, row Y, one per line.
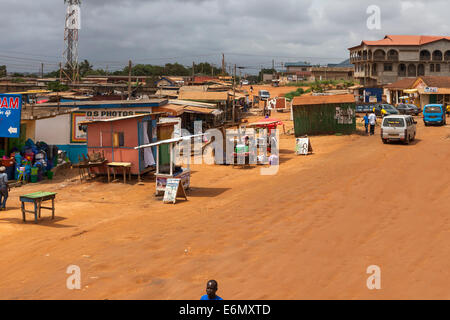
column 114, row 31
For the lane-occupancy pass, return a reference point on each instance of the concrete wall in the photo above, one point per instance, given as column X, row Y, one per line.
column 54, row 130
column 57, row 131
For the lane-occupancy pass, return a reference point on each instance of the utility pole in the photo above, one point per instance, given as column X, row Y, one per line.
column 60, row 72
column 42, row 70
column 129, row 80
column 193, row 71
column 234, row 94
column 223, row 64
column 273, row 69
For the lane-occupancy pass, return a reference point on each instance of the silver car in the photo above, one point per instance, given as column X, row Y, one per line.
column 398, row 128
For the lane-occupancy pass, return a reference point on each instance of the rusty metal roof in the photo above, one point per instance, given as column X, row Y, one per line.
column 330, row 99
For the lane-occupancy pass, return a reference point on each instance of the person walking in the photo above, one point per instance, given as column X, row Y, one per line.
column 372, row 122
column 3, row 188
column 366, row 123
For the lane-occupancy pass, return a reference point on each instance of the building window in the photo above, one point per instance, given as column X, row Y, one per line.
column 438, row 67
column 431, row 67
column 421, row 70
column 119, row 140
column 388, row 67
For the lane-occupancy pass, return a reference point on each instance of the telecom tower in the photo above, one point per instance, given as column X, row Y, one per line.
column 71, row 28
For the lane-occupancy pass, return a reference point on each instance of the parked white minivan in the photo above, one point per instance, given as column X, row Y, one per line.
column 398, row 128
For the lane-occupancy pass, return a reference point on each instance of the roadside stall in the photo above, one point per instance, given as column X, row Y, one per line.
column 166, row 167
column 114, row 139
column 263, row 138
column 264, row 129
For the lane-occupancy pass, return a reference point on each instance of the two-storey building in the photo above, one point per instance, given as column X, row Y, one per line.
column 396, row 57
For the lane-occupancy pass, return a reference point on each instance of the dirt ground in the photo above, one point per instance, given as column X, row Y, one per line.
column 309, row 232
column 274, row 91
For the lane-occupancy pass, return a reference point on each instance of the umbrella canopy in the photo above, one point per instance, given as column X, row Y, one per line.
column 267, row 122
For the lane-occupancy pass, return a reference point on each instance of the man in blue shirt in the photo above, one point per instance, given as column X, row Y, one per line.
column 211, row 289
column 366, row 123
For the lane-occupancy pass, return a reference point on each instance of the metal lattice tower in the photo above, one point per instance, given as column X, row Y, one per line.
column 71, row 28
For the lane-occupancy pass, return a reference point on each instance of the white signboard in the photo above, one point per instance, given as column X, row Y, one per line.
column 73, row 19
column 272, row 104
column 431, row 90
column 302, row 146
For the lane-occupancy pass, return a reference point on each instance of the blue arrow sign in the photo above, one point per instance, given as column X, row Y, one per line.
column 10, row 115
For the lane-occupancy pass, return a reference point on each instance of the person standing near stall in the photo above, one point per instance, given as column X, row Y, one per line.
column 3, row 188
column 372, row 122
column 366, row 123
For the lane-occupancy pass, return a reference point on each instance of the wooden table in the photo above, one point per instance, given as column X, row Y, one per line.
column 126, row 166
column 37, row 198
column 85, row 168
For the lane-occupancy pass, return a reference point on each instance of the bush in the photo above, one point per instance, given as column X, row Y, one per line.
column 56, row 86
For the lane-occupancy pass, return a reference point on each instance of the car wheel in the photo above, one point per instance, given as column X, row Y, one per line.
column 385, row 141
column 407, row 141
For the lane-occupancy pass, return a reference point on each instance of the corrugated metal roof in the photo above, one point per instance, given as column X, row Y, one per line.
column 406, row 83
column 203, row 95
column 199, row 109
column 309, row 100
column 435, row 81
column 173, row 109
column 123, row 118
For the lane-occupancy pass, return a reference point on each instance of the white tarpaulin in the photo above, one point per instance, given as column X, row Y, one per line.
column 73, row 19
column 149, row 160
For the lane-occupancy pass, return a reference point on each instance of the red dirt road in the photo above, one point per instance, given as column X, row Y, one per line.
column 309, row 232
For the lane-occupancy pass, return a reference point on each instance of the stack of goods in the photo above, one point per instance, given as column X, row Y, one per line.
column 32, row 162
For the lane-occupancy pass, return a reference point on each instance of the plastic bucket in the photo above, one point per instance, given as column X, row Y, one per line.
column 34, row 171
column 34, row 179
column 50, row 175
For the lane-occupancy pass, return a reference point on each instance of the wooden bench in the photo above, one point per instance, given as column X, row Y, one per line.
column 37, row 198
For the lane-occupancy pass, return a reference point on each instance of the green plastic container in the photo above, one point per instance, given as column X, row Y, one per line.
column 34, row 179
column 34, row 171
column 50, row 175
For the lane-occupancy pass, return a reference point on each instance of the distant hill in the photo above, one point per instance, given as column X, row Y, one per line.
column 343, row 64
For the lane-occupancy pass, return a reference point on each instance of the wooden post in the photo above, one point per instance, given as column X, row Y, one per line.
column 129, row 80
column 23, row 212
column 171, row 158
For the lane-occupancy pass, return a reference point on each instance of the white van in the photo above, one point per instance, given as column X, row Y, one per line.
column 398, row 128
column 264, row 95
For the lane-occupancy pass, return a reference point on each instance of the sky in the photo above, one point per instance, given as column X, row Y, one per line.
column 251, row 33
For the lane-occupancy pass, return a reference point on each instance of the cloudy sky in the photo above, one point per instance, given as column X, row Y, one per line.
column 250, row 32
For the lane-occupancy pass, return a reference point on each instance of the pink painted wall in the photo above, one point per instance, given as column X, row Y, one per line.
column 127, row 153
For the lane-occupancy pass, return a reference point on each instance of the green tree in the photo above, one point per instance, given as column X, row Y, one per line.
column 85, row 67
column 56, row 86
column 3, row 72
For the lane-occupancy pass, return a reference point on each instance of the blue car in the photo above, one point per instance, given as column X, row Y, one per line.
column 434, row 114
